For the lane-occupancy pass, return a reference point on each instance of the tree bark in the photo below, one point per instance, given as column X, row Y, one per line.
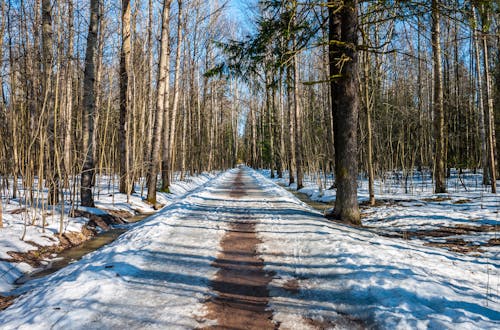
column 345, row 102
column 162, row 93
column 87, row 177
column 297, row 119
column 52, row 180
column 124, row 102
column 438, row 106
column 68, row 120
column 490, row 114
column 175, row 102
column 369, row 107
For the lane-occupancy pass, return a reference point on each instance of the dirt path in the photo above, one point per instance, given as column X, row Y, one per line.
column 242, row 297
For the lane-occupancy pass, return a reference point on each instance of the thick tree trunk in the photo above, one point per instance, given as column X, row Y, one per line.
column 438, row 106
column 87, row 177
column 345, row 102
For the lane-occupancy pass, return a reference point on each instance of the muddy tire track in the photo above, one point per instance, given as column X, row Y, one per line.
column 240, row 285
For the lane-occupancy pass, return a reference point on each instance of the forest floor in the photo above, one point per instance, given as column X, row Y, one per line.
column 242, row 252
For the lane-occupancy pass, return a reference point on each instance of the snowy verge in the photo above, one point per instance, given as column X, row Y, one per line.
column 154, row 276
column 466, row 218
column 22, row 230
column 353, row 278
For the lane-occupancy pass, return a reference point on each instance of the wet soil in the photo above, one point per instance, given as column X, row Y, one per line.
column 240, row 285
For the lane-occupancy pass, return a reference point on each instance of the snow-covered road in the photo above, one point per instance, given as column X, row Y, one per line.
column 158, row 274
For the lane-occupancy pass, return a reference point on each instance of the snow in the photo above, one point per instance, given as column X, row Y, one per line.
column 150, row 276
column 390, row 283
column 415, row 207
column 157, row 275
column 19, row 220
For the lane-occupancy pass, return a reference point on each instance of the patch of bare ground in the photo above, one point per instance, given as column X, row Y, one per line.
column 66, row 241
column 457, row 245
column 343, row 321
column 103, row 221
column 460, row 229
column 437, row 199
column 453, row 244
column 462, row 201
column 240, row 285
column 292, row 286
column 379, row 202
column 119, row 215
column 6, row 301
column 493, row 242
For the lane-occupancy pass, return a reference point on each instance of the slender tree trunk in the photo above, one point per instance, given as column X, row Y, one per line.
column 48, row 100
column 68, row 134
column 369, row 106
column 269, row 112
column 149, row 83
column 345, row 102
column 175, row 103
column 87, row 177
column 291, row 117
column 490, row 115
column 480, row 104
column 124, row 101
column 438, row 106
column 162, row 93
column 297, row 120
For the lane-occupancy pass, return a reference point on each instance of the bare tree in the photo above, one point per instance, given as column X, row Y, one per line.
column 124, row 101
column 87, row 177
column 162, row 93
column 439, row 138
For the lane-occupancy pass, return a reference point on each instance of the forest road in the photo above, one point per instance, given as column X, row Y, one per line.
column 242, row 296
column 195, row 264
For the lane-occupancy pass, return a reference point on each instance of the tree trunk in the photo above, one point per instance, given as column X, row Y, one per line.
column 87, row 177
column 439, row 139
column 149, row 83
column 291, row 119
column 297, row 120
column 369, row 106
column 345, row 101
column 161, row 90
column 68, row 134
column 124, row 102
column 490, row 118
column 480, row 103
column 48, row 101
column 175, row 103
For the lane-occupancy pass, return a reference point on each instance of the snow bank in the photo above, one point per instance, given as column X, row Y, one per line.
column 410, row 205
column 352, row 277
column 149, row 277
column 20, row 221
